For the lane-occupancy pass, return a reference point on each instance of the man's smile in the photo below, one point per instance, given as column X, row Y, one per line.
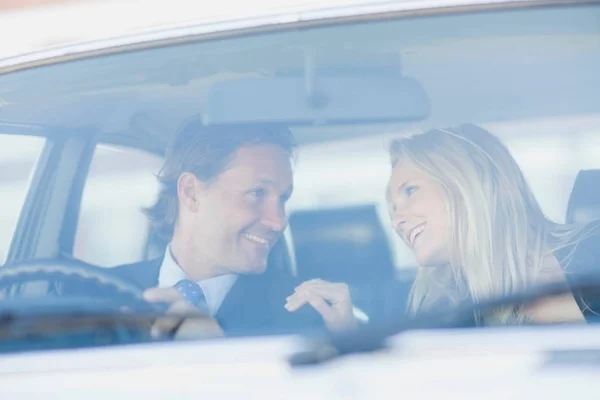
column 258, row 240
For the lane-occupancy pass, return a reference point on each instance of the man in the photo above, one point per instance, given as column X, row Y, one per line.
column 222, row 210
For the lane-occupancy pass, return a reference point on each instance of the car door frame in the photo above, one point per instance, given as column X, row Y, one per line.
column 70, row 219
column 37, row 232
column 49, row 216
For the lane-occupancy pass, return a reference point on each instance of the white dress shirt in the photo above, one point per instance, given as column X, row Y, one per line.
column 215, row 289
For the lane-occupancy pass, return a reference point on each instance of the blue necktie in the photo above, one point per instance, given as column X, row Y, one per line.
column 193, row 293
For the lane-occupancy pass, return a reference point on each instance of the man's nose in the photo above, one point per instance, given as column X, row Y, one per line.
column 275, row 218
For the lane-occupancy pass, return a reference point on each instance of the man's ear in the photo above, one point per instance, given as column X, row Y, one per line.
column 189, row 190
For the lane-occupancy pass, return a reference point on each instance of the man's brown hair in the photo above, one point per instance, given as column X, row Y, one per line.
column 205, row 151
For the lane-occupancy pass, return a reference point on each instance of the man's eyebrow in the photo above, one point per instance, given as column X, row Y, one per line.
column 270, row 182
column 267, row 182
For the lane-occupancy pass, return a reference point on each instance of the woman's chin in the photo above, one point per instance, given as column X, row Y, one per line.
column 428, row 265
column 427, row 260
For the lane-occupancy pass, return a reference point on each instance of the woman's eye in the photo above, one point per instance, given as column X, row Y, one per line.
column 409, row 190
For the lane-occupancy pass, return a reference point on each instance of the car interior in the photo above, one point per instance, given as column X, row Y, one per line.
column 77, row 190
column 584, row 202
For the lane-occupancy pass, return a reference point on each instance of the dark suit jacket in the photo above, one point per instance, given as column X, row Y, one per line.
column 254, row 304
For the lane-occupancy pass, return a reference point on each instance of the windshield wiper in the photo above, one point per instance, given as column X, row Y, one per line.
column 374, row 338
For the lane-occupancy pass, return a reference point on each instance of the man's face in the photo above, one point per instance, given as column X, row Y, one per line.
column 241, row 213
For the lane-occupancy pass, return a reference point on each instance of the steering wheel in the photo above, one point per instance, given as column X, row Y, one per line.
column 76, row 274
column 89, row 312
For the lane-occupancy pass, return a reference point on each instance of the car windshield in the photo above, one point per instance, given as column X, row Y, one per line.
column 172, row 167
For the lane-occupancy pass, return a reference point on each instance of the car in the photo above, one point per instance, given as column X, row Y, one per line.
column 83, row 132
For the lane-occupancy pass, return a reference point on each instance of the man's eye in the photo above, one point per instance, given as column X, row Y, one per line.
column 410, row 190
column 257, row 193
column 284, row 199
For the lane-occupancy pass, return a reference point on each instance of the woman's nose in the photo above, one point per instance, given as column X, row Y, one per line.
column 399, row 219
column 397, row 222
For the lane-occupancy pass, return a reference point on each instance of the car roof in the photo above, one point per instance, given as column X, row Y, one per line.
column 154, row 100
column 91, row 26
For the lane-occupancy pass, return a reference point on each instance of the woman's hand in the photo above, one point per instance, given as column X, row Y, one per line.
column 331, row 300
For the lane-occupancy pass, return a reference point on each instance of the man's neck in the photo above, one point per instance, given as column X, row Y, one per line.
column 191, row 261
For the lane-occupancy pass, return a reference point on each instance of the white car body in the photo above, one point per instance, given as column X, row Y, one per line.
column 491, row 364
column 466, row 364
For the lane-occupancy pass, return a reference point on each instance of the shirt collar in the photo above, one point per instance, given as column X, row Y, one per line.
column 215, row 289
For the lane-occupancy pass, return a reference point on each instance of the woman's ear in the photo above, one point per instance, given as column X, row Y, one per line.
column 189, row 189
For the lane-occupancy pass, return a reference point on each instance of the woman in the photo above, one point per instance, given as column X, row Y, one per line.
column 459, row 200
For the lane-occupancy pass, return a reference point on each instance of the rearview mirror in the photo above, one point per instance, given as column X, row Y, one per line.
column 336, row 97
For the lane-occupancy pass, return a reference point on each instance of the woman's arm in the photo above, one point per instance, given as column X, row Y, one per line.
column 554, row 309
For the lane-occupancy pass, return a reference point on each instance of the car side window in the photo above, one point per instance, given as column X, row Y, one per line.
column 18, row 157
column 112, row 229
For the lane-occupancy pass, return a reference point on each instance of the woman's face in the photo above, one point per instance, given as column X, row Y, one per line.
column 417, row 206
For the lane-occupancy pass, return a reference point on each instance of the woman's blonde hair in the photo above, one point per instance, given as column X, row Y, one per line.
column 499, row 235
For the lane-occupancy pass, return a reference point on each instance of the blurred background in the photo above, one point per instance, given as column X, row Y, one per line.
column 7, row 5
column 35, row 24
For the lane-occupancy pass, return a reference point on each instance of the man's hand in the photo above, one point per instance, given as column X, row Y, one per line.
column 331, row 300
column 199, row 325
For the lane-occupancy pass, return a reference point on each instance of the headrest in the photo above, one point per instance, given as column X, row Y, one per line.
column 341, row 245
column 584, row 202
